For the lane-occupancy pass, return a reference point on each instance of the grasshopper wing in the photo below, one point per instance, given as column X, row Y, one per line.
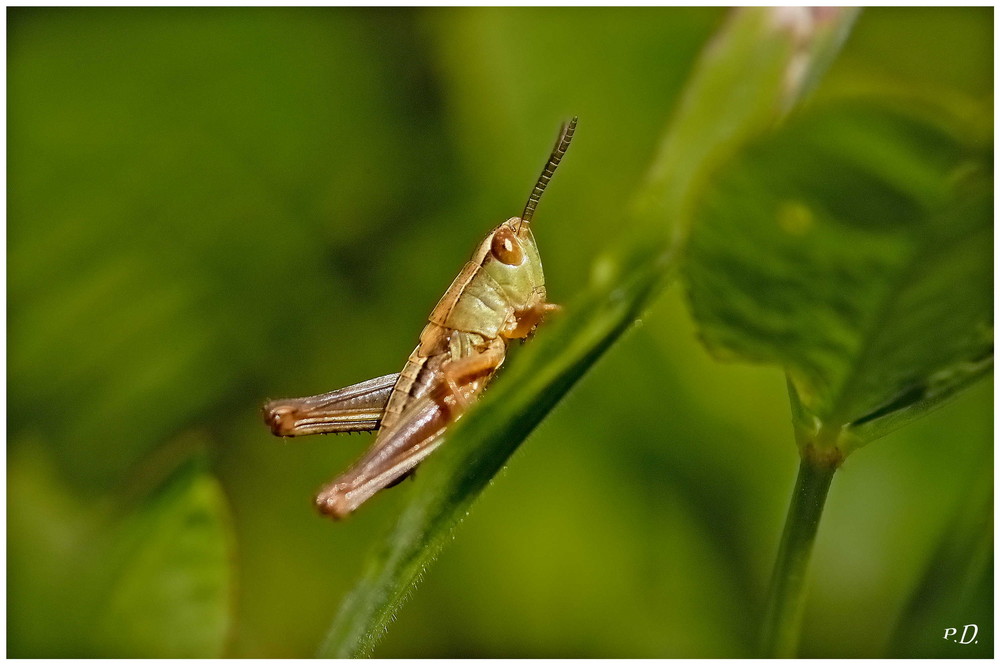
column 356, row 408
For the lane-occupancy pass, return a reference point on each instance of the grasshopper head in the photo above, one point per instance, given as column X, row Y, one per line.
column 514, row 264
column 509, row 259
column 513, row 257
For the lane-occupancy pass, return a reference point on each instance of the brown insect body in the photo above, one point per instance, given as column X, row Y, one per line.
column 499, row 295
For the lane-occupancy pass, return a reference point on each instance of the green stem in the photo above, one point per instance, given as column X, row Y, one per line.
column 786, row 598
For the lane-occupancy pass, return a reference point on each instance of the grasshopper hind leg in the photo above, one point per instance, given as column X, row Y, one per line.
column 409, row 474
column 398, row 450
column 357, row 408
column 395, row 454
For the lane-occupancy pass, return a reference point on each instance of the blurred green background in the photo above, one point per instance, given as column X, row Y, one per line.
column 209, row 207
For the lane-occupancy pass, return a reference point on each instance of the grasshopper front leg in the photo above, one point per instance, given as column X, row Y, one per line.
column 356, row 408
column 523, row 322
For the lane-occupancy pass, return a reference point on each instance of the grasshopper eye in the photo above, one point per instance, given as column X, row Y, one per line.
column 506, row 248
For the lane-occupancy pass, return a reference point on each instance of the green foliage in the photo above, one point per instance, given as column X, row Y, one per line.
column 171, row 593
column 155, row 581
column 854, row 249
column 208, row 207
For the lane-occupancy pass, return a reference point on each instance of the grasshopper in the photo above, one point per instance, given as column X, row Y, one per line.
column 497, row 297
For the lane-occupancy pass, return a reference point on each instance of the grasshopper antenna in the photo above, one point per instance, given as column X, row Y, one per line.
column 562, row 143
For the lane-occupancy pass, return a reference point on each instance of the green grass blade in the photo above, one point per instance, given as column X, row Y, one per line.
column 956, row 588
column 477, row 447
